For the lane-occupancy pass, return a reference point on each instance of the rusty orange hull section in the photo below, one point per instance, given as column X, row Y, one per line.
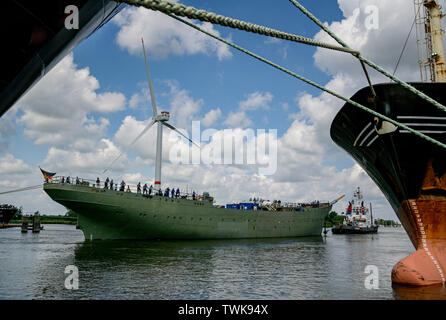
column 425, row 222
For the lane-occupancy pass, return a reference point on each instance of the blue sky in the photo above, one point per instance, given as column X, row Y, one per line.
column 191, row 84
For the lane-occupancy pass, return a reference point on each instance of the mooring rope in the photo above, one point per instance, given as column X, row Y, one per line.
column 22, row 189
column 173, row 10
column 383, row 117
column 370, row 63
column 202, row 15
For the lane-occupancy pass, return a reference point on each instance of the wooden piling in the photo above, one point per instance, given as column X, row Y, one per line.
column 36, row 224
column 24, row 225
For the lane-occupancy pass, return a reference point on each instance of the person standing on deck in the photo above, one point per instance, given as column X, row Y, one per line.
column 106, row 183
column 173, row 193
column 150, row 190
column 144, row 189
column 98, row 182
column 111, row 184
column 178, row 193
column 138, row 188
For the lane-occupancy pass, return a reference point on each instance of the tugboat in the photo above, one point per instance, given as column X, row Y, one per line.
column 356, row 221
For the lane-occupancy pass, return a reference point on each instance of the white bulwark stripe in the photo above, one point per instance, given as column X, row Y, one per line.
column 363, row 130
column 422, row 234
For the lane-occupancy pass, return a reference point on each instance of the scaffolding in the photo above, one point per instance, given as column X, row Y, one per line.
column 424, row 42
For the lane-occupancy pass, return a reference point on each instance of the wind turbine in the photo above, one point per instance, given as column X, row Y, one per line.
column 161, row 120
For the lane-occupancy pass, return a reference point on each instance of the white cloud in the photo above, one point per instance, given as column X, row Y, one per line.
column 237, row 120
column 183, row 107
column 9, row 165
column 382, row 45
column 256, row 100
column 15, row 174
column 85, row 163
column 141, row 100
column 57, row 110
column 210, row 117
column 253, row 101
column 164, row 36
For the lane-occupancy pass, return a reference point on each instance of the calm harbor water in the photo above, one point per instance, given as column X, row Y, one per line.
column 32, row 267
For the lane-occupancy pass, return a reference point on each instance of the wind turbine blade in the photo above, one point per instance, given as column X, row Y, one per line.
column 142, row 132
column 179, row 132
column 131, row 144
column 152, row 94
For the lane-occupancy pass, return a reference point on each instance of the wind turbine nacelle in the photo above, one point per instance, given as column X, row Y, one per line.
column 163, row 116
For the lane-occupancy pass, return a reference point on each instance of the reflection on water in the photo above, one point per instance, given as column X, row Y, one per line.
column 32, row 267
column 416, row 293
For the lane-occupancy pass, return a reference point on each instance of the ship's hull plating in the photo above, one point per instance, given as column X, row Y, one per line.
column 108, row 214
column 410, row 171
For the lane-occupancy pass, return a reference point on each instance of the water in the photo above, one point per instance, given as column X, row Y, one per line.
column 32, row 267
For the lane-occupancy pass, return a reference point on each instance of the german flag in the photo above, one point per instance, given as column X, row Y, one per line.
column 47, row 175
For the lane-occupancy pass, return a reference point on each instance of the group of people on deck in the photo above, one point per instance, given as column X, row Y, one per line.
column 146, row 190
column 67, row 180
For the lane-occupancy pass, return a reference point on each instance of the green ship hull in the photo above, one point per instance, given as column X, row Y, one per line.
column 108, row 214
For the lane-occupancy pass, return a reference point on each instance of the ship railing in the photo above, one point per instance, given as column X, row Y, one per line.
column 128, row 188
column 293, row 205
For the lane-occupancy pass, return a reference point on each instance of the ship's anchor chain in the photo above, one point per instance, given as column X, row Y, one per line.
column 174, row 10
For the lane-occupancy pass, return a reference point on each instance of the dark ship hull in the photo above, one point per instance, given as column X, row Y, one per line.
column 35, row 39
column 410, row 171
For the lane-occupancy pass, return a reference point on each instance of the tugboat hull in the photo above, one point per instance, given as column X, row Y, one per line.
column 354, row 230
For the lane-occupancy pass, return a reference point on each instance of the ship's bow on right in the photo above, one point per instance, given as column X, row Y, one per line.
column 409, row 170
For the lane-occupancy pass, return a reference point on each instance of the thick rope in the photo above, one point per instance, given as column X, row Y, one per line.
column 370, row 63
column 22, row 189
column 396, row 123
column 193, row 13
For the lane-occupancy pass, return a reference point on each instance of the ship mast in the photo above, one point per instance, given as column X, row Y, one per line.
column 430, row 40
